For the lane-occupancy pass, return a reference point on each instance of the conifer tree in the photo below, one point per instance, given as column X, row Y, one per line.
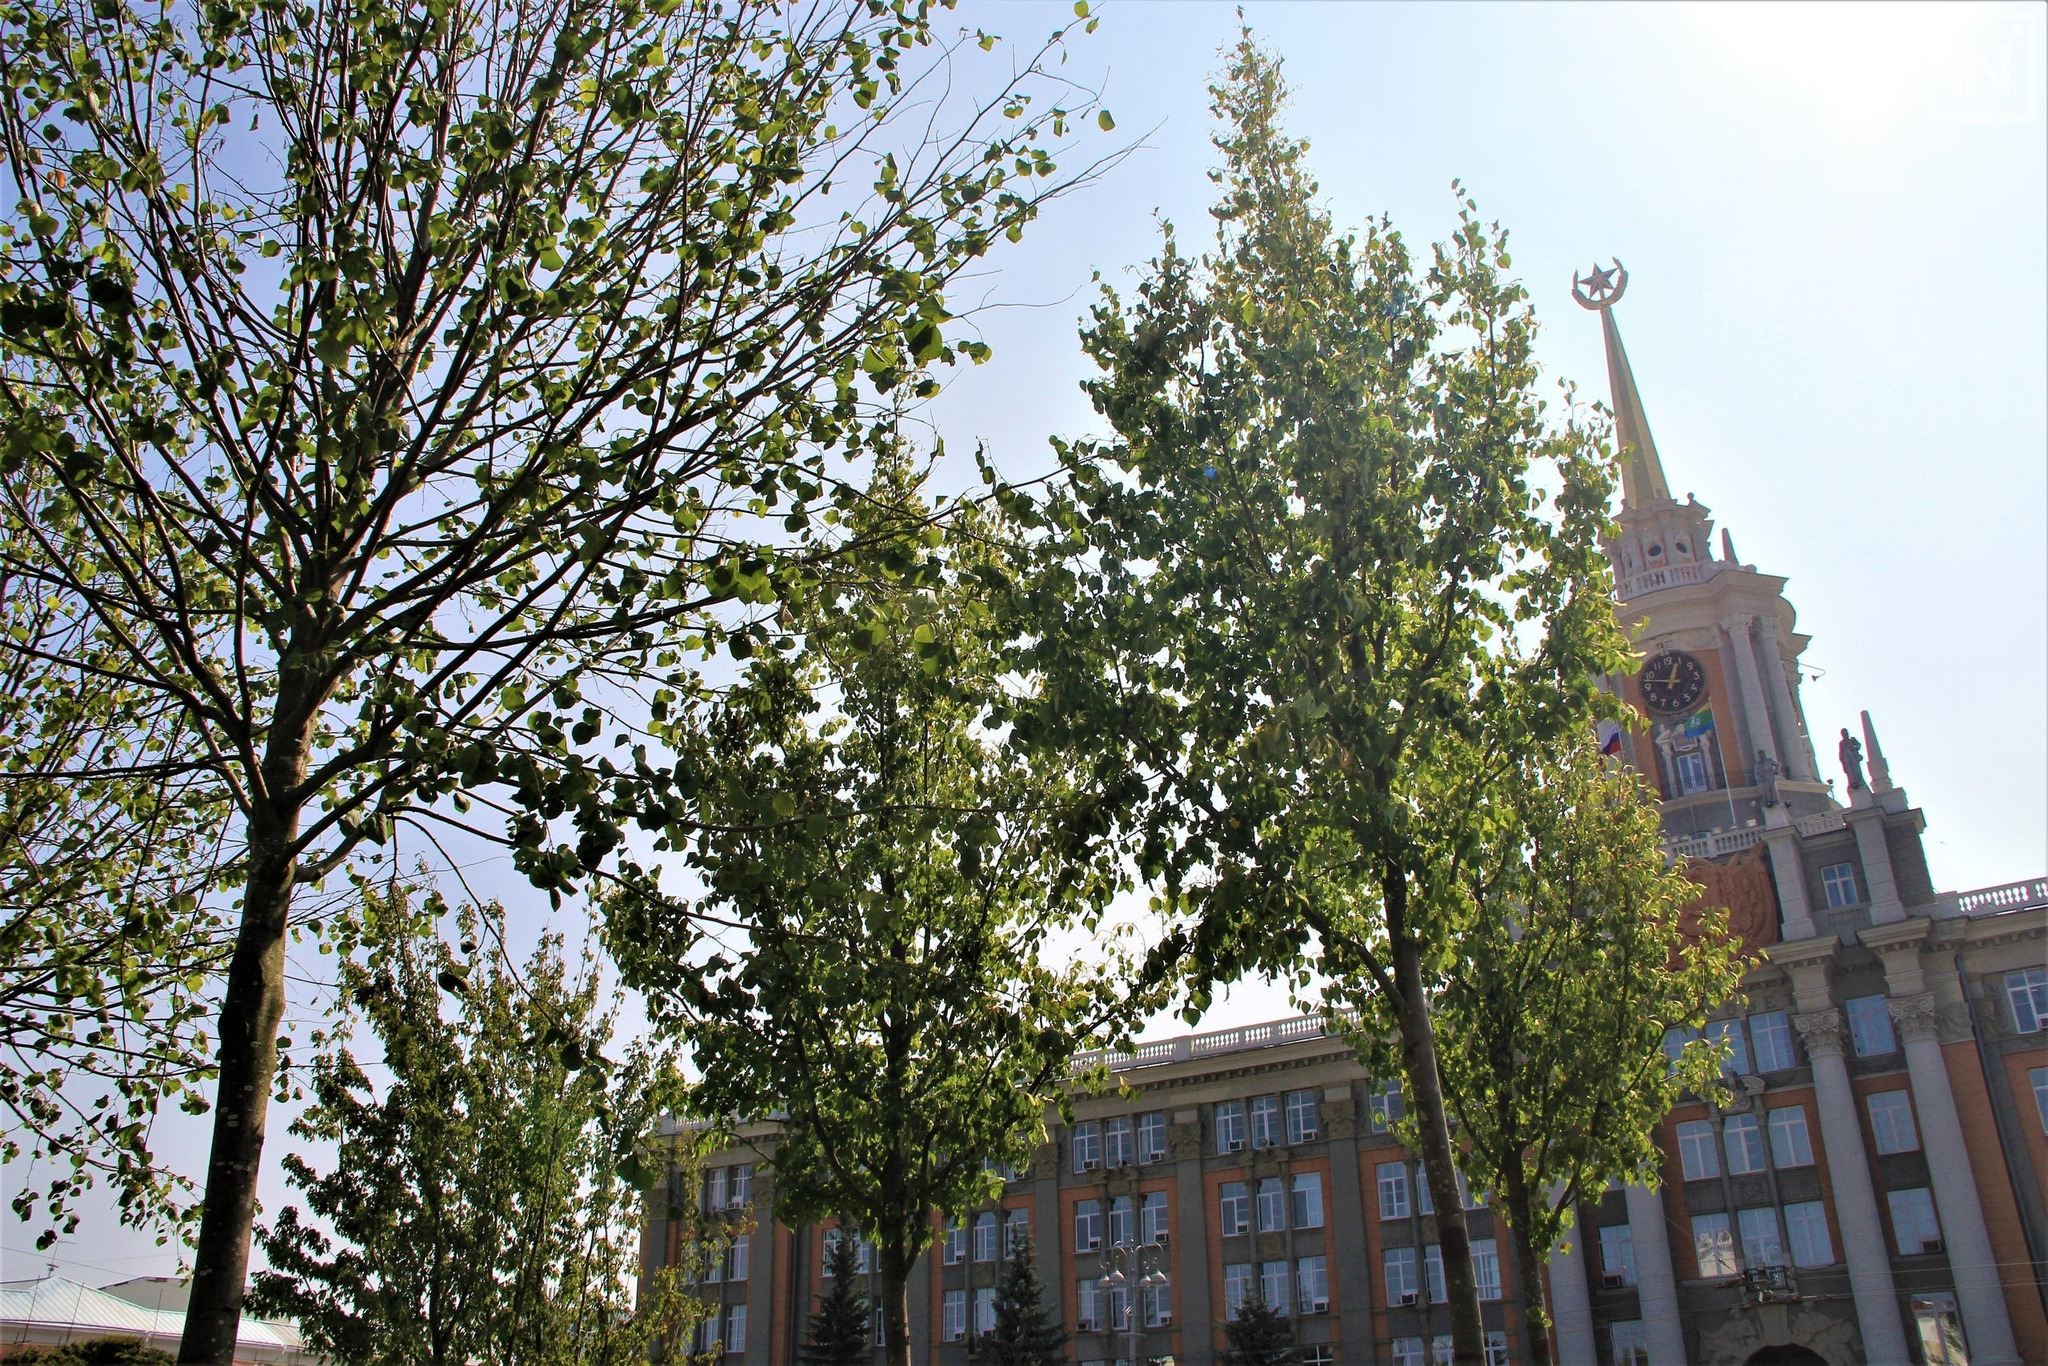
column 1260, row 1335
column 838, row 1334
column 1024, row 1334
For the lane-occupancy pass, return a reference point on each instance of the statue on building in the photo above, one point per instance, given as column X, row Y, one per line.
column 1767, row 771
column 1851, row 752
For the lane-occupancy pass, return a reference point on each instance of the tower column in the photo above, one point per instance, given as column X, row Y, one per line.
column 1868, row 823
column 1788, row 873
column 1798, row 750
column 1571, row 1303
column 1755, row 713
column 1656, row 1286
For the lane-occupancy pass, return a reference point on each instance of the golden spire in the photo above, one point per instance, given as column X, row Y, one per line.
column 1642, row 473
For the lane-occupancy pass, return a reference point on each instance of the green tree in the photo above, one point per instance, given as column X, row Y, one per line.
column 400, row 389
column 1260, row 1335
column 1025, row 1333
column 108, row 1351
column 484, row 1204
column 1334, row 530
column 898, row 871
column 839, row 1330
column 1581, row 953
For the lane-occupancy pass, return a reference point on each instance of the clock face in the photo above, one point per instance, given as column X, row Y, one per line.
column 1673, row 682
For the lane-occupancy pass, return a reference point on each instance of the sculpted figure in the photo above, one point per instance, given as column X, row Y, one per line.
column 1851, row 752
column 1767, row 771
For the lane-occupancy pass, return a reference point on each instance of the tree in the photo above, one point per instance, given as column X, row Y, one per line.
column 108, row 1351
column 1334, row 529
column 897, row 870
column 400, row 390
column 839, row 1331
column 1024, row 1335
column 484, row 1204
column 1260, row 1335
column 1582, row 953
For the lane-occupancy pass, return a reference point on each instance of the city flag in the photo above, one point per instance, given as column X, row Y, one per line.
column 1702, row 721
column 1610, row 737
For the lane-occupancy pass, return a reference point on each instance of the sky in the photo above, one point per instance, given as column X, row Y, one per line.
column 1833, row 218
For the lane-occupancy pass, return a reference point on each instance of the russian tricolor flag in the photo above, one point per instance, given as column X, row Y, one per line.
column 1610, row 737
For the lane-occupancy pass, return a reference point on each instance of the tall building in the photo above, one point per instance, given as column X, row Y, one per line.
column 1872, row 1193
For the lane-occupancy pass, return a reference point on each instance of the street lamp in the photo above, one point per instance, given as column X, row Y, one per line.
column 1141, row 1271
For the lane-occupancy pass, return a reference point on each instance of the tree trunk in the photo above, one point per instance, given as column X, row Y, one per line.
column 1517, row 1208
column 1418, row 1060
column 896, row 1266
column 249, row 1018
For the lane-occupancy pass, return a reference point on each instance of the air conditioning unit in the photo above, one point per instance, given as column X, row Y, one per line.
column 1613, row 1280
column 1408, row 1299
column 1236, row 1145
column 1090, row 1165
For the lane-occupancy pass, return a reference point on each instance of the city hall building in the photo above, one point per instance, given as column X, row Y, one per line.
column 1869, row 1189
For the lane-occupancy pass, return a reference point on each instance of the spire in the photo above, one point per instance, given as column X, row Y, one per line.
column 1880, row 771
column 1642, row 473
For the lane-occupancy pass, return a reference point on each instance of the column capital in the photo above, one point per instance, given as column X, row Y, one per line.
column 1917, row 1016
column 1821, row 1031
column 1806, row 961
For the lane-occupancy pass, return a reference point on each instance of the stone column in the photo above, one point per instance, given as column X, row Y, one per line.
column 1791, row 738
column 1656, row 1286
column 1571, row 1305
column 1885, row 906
column 1970, row 1258
column 1350, row 1276
column 1864, row 1244
column 1788, row 871
column 1191, row 1243
column 1755, row 713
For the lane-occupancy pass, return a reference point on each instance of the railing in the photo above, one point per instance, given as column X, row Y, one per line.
column 1188, row 1047
column 1713, row 844
column 1821, row 824
column 1668, row 577
column 2011, row 896
column 1770, row 1284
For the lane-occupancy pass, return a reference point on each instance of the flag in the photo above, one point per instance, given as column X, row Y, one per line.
column 1610, row 737
column 1702, row 721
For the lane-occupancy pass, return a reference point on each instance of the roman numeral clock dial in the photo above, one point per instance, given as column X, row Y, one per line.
column 1673, row 682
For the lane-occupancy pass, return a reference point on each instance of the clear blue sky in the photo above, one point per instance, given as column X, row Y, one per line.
column 1834, row 223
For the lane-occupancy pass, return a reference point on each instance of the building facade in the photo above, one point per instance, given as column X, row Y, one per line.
column 1871, row 1193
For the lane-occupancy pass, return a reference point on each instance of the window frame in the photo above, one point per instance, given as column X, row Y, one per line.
column 2026, row 994
column 1267, row 1129
column 1837, row 880
column 1748, row 1131
column 1119, row 1143
column 953, row 1316
column 1230, row 1128
column 1893, row 1128
column 1714, row 1233
column 1303, row 1117
column 1087, row 1222
column 1154, row 1218
column 1271, row 1205
column 1903, row 1200
column 1312, row 1296
column 1396, row 1185
column 1790, row 1157
column 1087, row 1146
column 1698, row 1147
column 1775, row 1025
column 1758, row 1225
column 1618, row 1253
column 1813, row 1214
column 1151, row 1123
column 1241, row 1201
column 1305, row 1199
column 1869, row 1017
column 1410, row 1277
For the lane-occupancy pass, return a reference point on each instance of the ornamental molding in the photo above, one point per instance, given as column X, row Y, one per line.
column 1821, row 1031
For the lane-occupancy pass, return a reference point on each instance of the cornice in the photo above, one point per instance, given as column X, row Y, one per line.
column 1791, row 953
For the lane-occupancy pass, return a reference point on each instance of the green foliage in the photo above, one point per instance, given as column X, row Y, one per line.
column 1260, row 1335
column 838, row 1333
column 107, row 1351
column 485, row 1202
column 1025, row 1334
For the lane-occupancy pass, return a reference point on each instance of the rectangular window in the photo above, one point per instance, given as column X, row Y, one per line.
column 954, row 1317
column 1235, row 1207
column 1273, row 1286
column 1760, row 1243
column 1486, row 1267
column 881, row 1338
column 1629, row 1343
column 1713, row 1244
column 708, row 1330
column 1123, row 1221
column 1119, row 1305
column 1697, row 1156
column 1496, row 1349
column 1303, row 1124
column 1617, row 1255
column 1152, row 1137
column 832, row 1237
column 1237, row 1288
column 736, row 1328
column 1692, row 772
column 714, row 1266
column 1790, row 1145
column 1838, row 880
column 1230, row 1127
column 1088, row 1304
column 1398, row 1264
column 1308, row 1200
column 1440, row 1350
column 1118, row 1149
column 1321, row 1355
column 1272, row 1205
column 1467, row 1197
column 1939, row 1329
column 1016, row 1230
column 1384, row 1107
column 1806, row 1228
column 1870, row 1027
column 740, row 1189
column 1159, row 1303
column 1771, row 1034
column 1311, row 1285
column 985, row 1311
column 1729, row 1032
column 1891, row 1122
column 1742, row 1137
column 715, row 1187
column 1087, row 1146
column 1265, row 1121
column 2028, row 992
column 1675, row 1041
column 737, row 1256
column 1425, row 1203
column 953, row 1250
column 1087, row 1225
column 984, row 1237
column 1433, row 1274
column 1154, row 1218
column 1393, row 1190
column 1409, row 1352
column 2039, row 1077
column 1913, row 1221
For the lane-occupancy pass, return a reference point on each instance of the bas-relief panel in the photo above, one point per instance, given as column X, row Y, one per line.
column 1742, row 886
column 1827, row 1330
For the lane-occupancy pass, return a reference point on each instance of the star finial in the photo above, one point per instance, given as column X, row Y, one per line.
column 1601, row 287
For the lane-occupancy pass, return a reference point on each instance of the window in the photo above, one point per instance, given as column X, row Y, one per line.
column 1696, row 1153
column 2039, row 1077
column 1425, row 1203
column 1123, row 1221
column 1398, row 1264
column 953, row 1250
column 1119, row 1305
column 1771, row 1036
column 1303, row 1126
column 1016, row 1230
column 1308, row 1200
column 1088, row 1304
column 1311, row 1285
column 1617, row 1255
column 1713, row 1244
column 1692, row 772
column 1006, row 1170
column 707, row 1334
column 1408, row 1352
column 1236, row 1207
column 1870, row 1027
column 1440, row 1350
column 1230, row 1127
column 881, row 1338
column 737, row 1255
column 715, row 1187
column 2028, row 992
column 1497, row 1349
column 1087, row 1226
column 1087, row 1146
column 1237, row 1288
column 985, row 1311
column 953, row 1317
column 1760, row 1242
column 1675, row 1041
column 832, row 1237
column 736, row 1328
column 1891, row 1122
column 1838, row 880
column 1272, row 1205
column 1154, row 1228
column 1383, row 1106
column 1119, row 1151
column 1486, row 1267
column 1806, row 1228
column 1630, row 1343
column 1152, row 1137
column 1159, row 1303
column 1790, row 1146
column 713, row 1264
column 1913, row 1221
column 1742, row 1136
column 984, row 1238
column 740, row 1188
column 1729, row 1032
column 1321, row 1355
column 1393, row 1190
column 1265, row 1121
column 1433, row 1274
column 1273, row 1285
column 1467, row 1197
column 1940, row 1330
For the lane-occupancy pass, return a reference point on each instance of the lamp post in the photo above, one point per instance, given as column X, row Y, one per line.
column 1140, row 1272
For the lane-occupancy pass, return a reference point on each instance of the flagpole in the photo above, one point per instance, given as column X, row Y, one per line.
column 1727, row 781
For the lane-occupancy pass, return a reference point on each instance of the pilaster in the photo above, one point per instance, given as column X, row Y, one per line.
column 1191, row 1257
column 1656, row 1285
column 1798, row 748
column 1755, row 712
column 1571, row 1304
column 1350, row 1275
column 1788, row 873
column 1868, row 823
